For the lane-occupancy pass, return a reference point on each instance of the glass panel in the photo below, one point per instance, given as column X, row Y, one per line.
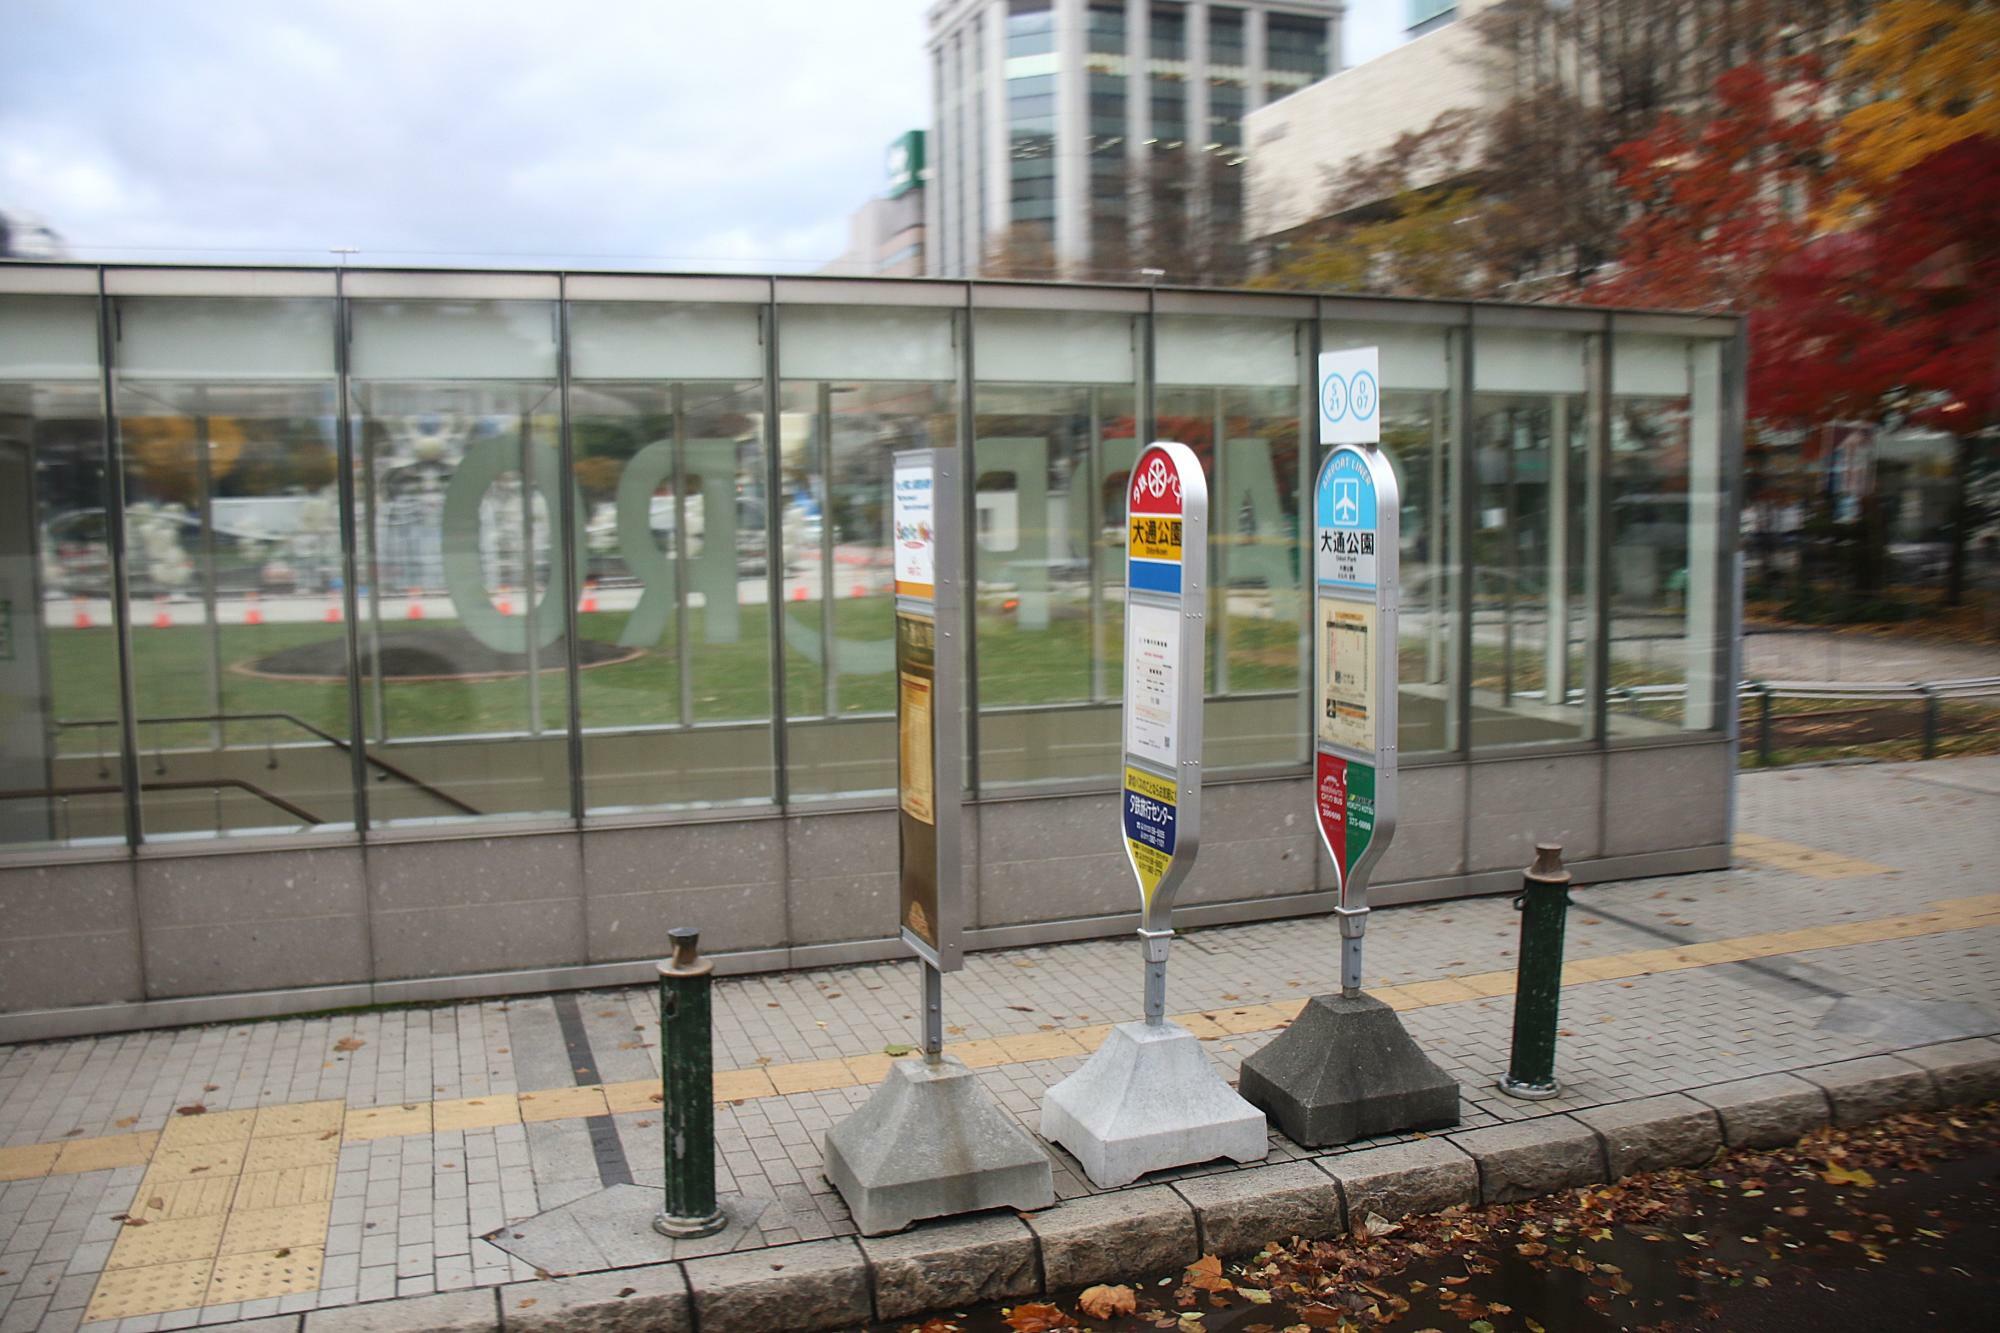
column 1416, row 434
column 858, row 384
column 1531, row 609
column 1056, row 406
column 60, row 770
column 674, row 615
column 1665, row 503
column 460, row 593
column 1231, row 390
column 232, row 534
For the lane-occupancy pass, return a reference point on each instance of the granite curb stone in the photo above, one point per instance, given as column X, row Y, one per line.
column 624, row 1300
column 277, row 1323
column 1769, row 1111
column 1533, row 1157
column 1961, row 1071
column 1398, row 1179
column 450, row 1312
column 1238, row 1211
column 1110, row 1237
column 1654, row 1132
column 820, row 1284
column 1872, row 1087
column 951, row 1264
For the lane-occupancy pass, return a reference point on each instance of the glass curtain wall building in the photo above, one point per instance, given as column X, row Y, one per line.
column 539, row 612
column 1072, row 135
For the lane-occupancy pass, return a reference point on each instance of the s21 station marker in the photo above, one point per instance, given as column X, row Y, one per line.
column 1148, row 1098
column 931, row 1141
column 1345, row 1068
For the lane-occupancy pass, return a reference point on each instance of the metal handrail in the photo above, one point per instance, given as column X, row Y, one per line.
column 173, row 784
column 344, row 746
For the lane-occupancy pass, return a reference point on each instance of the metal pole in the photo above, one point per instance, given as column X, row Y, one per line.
column 1353, row 925
column 1154, row 943
column 687, row 1087
column 1930, row 720
column 933, row 1012
column 1763, row 726
column 1544, row 906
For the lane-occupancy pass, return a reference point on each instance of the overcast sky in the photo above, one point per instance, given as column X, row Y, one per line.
column 671, row 133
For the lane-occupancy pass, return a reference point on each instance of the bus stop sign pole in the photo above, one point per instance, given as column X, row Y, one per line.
column 1345, row 1068
column 931, row 1142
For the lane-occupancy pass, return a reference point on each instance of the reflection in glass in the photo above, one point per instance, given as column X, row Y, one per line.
column 458, row 479
column 60, row 772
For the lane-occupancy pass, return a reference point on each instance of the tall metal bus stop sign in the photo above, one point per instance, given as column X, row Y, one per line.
column 1345, row 1068
column 930, row 1141
column 1148, row 1098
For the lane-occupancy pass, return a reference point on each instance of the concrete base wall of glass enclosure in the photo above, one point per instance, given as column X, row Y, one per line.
column 376, row 635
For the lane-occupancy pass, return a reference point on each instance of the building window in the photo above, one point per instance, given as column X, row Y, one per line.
column 1295, row 54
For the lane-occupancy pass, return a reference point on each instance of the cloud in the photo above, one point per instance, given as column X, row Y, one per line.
column 692, row 132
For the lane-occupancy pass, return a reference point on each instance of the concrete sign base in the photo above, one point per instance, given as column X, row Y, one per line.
column 1148, row 1100
column 1346, row 1070
column 932, row 1142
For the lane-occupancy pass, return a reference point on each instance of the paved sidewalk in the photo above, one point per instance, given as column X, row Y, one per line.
column 358, row 1157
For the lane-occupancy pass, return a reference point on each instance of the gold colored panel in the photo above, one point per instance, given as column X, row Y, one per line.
column 638, row 1095
column 293, row 1226
column 204, row 1159
column 978, row 1053
column 106, row 1153
column 275, row 1154
column 562, row 1104
column 188, row 1131
column 497, row 1108
column 299, row 1118
column 28, row 1162
column 1041, row 1046
column 1199, row 1024
column 292, row 1185
column 868, row 1069
column 125, row 1292
column 195, row 1197
column 166, row 1242
column 284, row 1271
column 386, row 1122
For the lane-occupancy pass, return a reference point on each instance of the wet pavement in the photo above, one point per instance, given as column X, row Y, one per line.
column 1890, row 1226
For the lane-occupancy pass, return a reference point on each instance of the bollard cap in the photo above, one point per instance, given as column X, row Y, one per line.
column 687, row 960
column 1548, row 866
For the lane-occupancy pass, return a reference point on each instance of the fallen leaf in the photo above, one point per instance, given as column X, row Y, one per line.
column 135, row 1221
column 211, row 1087
column 156, row 1202
column 127, row 1122
column 1205, row 1274
column 283, row 1253
column 525, row 1302
column 1037, row 1318
column 1836, row 1174
column 626, row 1291
column 1102, row 1302
column 349, row 1043
column 196, row 1109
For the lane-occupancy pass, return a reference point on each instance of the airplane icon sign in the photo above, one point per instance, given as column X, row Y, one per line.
column 1346, row 502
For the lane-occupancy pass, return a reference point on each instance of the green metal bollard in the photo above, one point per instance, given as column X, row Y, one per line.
column 687, row 1082
column 1544, row 907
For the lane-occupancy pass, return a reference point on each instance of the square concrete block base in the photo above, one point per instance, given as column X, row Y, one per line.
column 1148, row 1100
column 1344, row 1070
column 932, row 1142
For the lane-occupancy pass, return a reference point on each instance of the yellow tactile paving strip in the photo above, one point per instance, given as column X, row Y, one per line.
column 233, row 1207
column 1803, row 860
column 234, row 1204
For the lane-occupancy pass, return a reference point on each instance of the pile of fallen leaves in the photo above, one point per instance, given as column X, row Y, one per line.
column 1359, row 1281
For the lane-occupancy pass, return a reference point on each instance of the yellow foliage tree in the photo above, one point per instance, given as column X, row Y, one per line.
column 1929, row 73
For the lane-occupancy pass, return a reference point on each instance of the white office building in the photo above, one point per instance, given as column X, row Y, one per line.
column 1068, row 125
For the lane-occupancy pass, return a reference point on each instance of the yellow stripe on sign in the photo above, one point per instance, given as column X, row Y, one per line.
column 1153, row 537
column 1147, row 784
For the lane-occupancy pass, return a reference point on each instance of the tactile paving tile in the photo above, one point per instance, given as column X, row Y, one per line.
column 563, row 1104
column 475, row 1112
column 293, row 1226
column 290, row 1150
column 293, row 1185
column 125, row 1292
column 186, row 1131
column 196, row 1197
column 299, row 1118
column 204, row 1159
column 173, row 1241
column 106, row 1153
column 26, row 1163
column 643, row 1095
column 255, row 1277
column 385, row 1122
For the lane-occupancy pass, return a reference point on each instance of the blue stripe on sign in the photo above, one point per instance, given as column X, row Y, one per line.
column 1154, row 575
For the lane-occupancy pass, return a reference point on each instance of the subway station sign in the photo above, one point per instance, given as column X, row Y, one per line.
column 1355, row 509
column 1166, row 544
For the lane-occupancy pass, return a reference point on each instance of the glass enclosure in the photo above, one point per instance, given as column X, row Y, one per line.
column 296, row 553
